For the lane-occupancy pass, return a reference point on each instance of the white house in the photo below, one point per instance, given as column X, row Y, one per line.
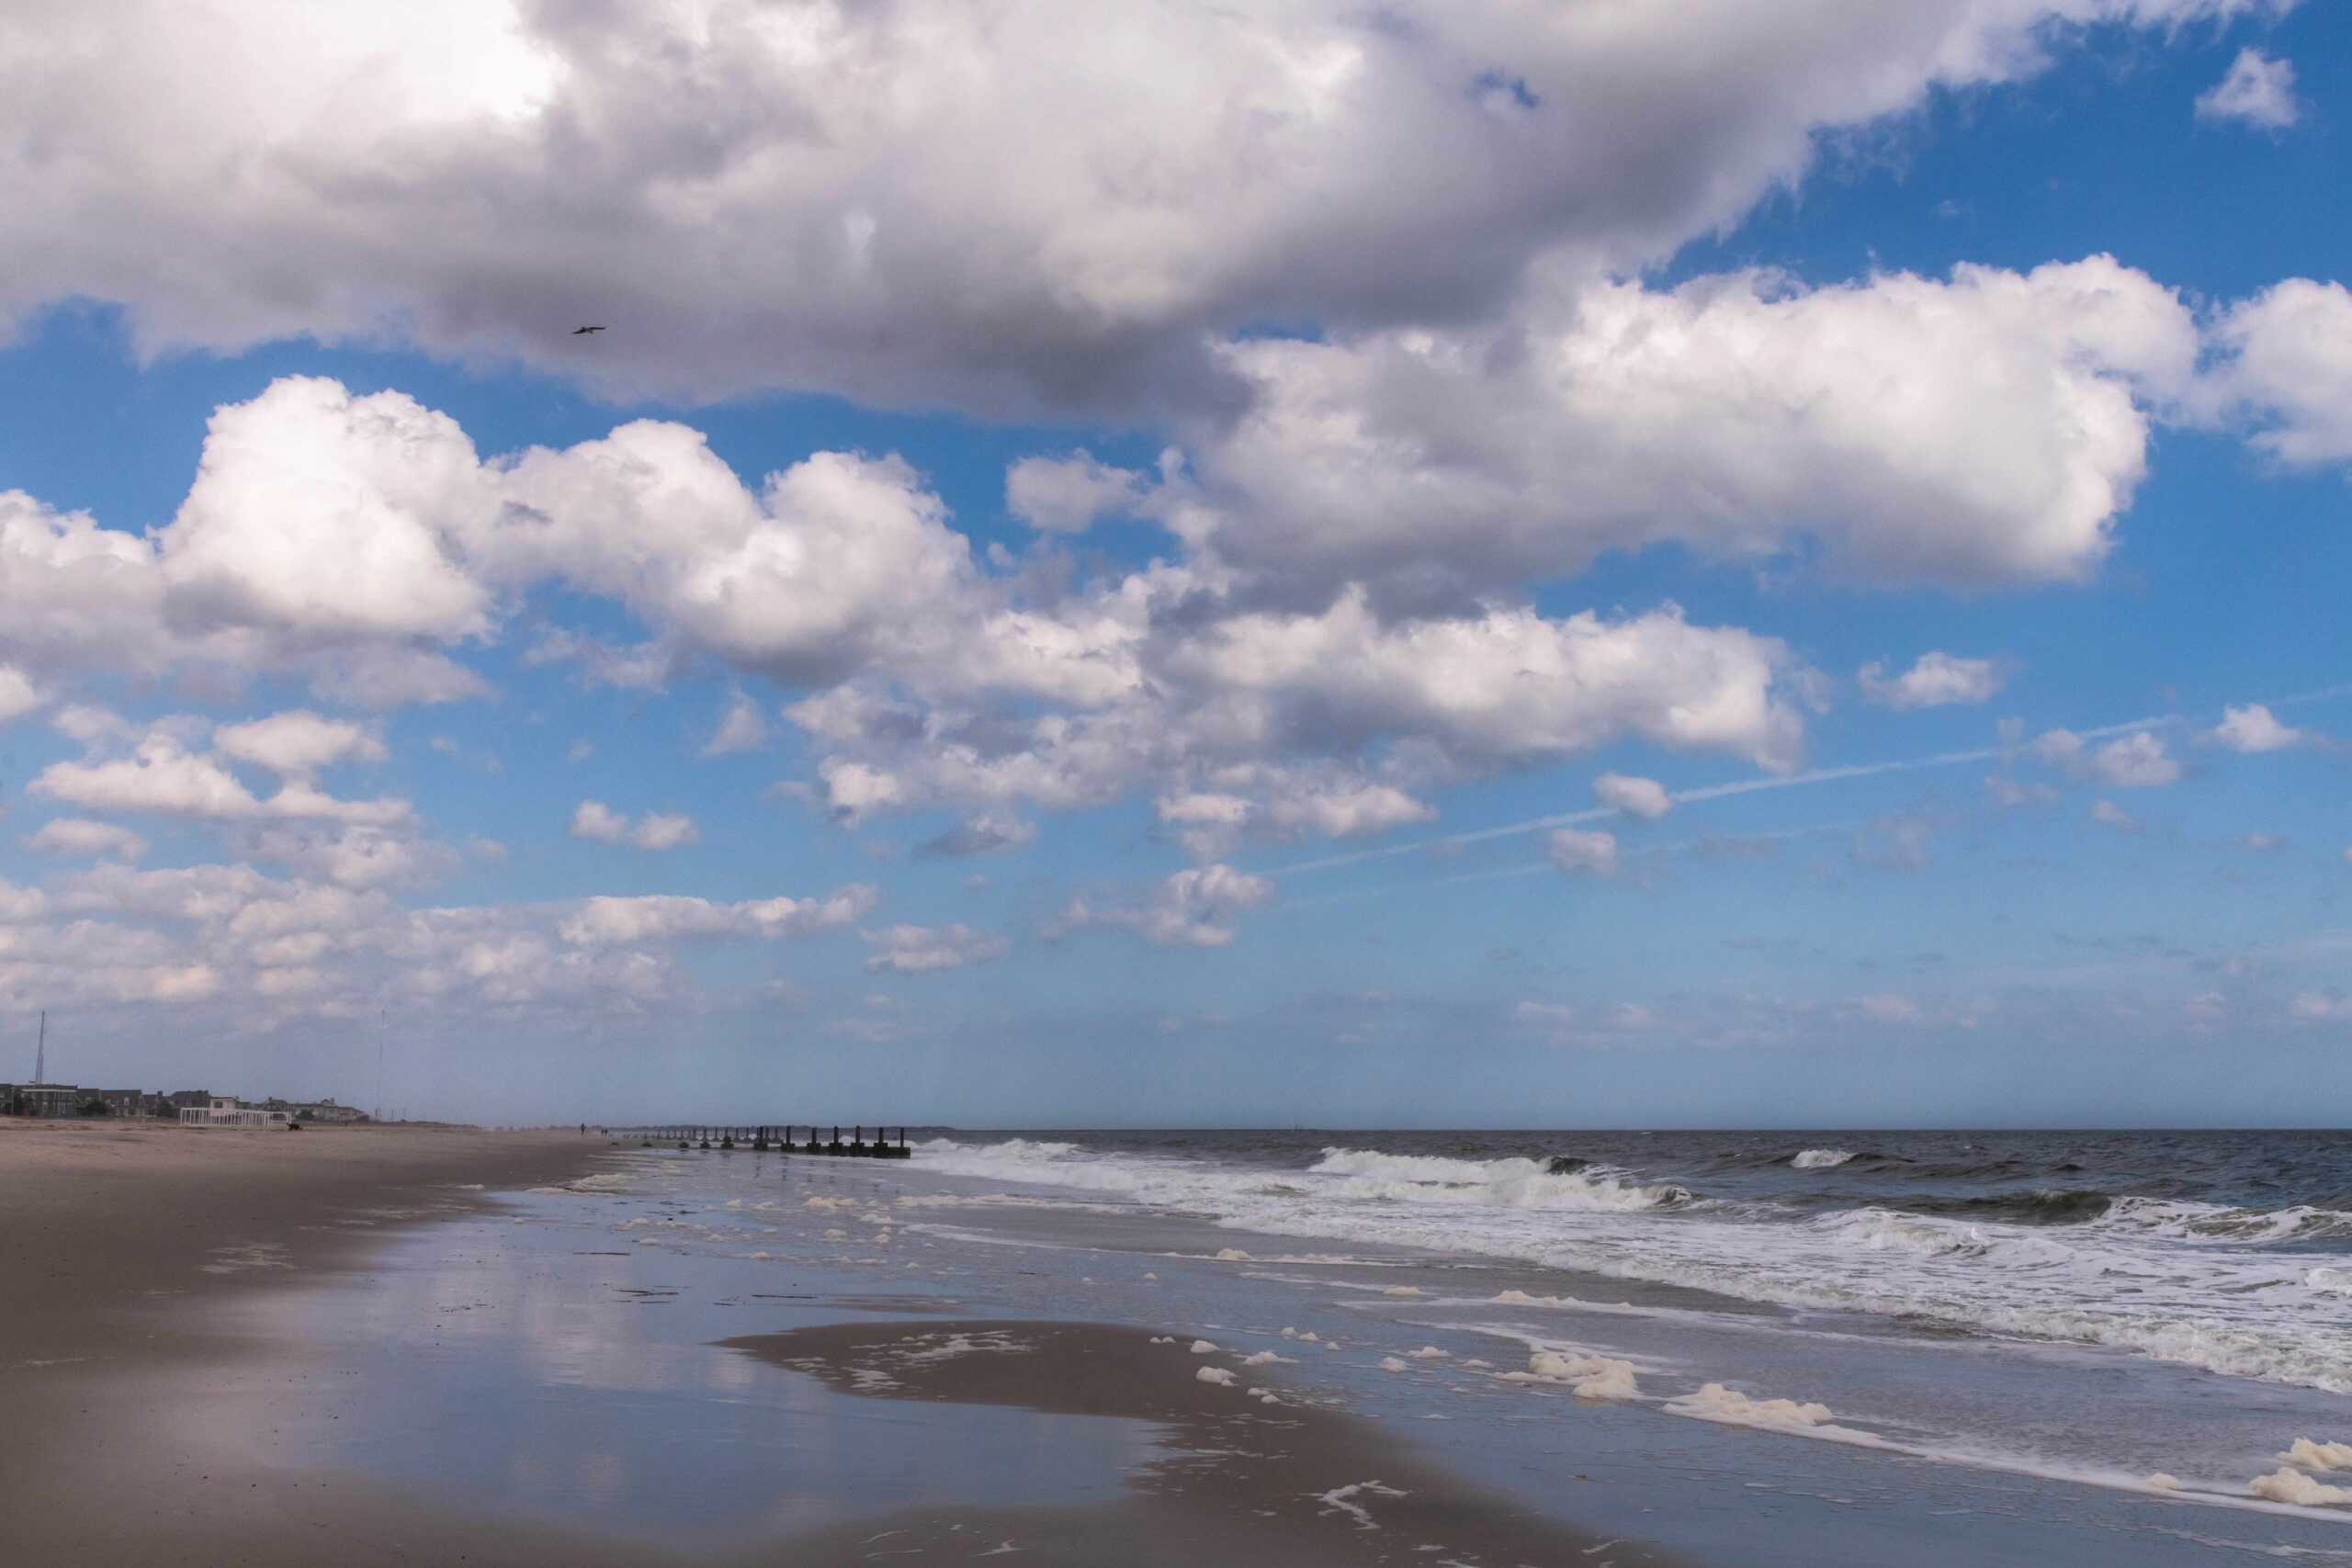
column 222, row 1110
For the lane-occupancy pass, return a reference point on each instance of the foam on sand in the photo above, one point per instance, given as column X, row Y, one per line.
column 1391, row 1364
column 1204, row 1347
column 1429, row 1353
column 1268, row 1359
column 1217, row 1375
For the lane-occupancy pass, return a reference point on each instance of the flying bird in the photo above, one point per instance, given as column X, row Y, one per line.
column 582, row 331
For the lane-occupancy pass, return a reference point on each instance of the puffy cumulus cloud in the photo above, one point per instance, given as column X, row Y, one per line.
column 918, row 950
column 1065, row 495
column 1583, row 853
column 17, row 696
column 2257, row 90
column 1645, row 799
column 616, row 921
column 322, row 514
column 1937, row 679
column 743, row 728
column 159, row 771
column 2137, row 761
column 1984, row 429
column 298, row 743
column 654, row 830
column 1278, row 722
column 2254, row 728
column 972, row 201
column 2287, row 370
column 80, row 836
column 1196, row 906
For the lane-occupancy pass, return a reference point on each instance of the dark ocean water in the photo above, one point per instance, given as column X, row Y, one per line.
column 2266, row 1187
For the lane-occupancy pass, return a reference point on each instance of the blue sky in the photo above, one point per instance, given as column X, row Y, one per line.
column 1790, row 579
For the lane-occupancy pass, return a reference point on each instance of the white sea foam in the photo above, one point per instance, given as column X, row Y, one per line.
column 1713, row 1402
column 2308, row 1455
column 2287, row 1485
column 1217, row 1375
column 2225, row 1290
column 1586, row 1377
column 1820, row 1159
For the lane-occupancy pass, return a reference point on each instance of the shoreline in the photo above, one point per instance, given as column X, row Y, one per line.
column 140, row 1252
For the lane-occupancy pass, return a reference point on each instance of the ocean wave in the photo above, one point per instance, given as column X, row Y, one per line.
column 1504, row 1184
column 2202, row 1285
column 1820, row 1159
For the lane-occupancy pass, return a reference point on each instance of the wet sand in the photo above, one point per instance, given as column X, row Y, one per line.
column 114, row 1241
column 120, row 1243
column 1241, row 1481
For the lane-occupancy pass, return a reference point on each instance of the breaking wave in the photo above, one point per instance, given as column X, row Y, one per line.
column 2244, row 1291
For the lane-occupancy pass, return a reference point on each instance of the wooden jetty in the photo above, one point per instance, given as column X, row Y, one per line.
column 774, row 1140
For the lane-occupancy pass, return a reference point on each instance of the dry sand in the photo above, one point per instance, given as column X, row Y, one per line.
column 116, row 1241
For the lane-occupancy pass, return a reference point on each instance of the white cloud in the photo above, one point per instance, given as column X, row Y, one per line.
column 2257, row 90
column 2321, row 1007
column 1547, row 1015
column 1937, row 678
column 17, row 696
column 298, row 743
column 974, row 203
column 1735, row 414
column 1195, row 907
column 1065, row 495
column 2287, row 370
column 913, row 950
column 2110, row 815
column 619, row 921
column 2254, row 728
column 1645, row 799
column 2138, row 760
column 1583, row 853
column 744, row 728
column 596, row 822
column 80, row 836
column 163, row 776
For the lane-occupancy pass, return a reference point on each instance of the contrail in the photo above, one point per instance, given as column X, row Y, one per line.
column 1765, row 782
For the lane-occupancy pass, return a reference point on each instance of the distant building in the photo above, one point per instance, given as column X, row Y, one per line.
column 117, row 1101
column 44, row 1099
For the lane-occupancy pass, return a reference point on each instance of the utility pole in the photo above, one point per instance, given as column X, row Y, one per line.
column 41, row 1051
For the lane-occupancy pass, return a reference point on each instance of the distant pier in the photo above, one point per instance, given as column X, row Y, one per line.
column 774, row 1140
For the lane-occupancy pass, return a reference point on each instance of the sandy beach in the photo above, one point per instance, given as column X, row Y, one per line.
column 119, row 1240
